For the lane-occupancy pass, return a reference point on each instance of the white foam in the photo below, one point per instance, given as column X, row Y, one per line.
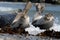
column 34, row 31
column 6, row 9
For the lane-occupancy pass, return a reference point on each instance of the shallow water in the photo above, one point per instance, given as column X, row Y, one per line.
column 6, row 7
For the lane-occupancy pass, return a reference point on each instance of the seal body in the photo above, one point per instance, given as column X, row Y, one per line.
column 6, row 19
column 21, row 21
column 45, row 22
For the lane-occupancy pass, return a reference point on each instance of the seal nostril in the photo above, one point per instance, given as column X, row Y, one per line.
column 20, row 24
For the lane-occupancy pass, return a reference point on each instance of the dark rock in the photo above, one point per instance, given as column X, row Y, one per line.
column 50, row 33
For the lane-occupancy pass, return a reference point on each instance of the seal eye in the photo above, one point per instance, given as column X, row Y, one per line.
column 22, row 17
column 47, row 17
column 20, row 24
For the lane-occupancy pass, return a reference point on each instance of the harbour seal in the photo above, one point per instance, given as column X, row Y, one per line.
column 8, row 18
column 45, row 22
column 22, row 19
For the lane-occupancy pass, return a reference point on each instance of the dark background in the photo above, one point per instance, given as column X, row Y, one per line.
column 34, row 1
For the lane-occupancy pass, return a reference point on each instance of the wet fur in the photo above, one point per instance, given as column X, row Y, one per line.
column 45, row 22
column 22, row 21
